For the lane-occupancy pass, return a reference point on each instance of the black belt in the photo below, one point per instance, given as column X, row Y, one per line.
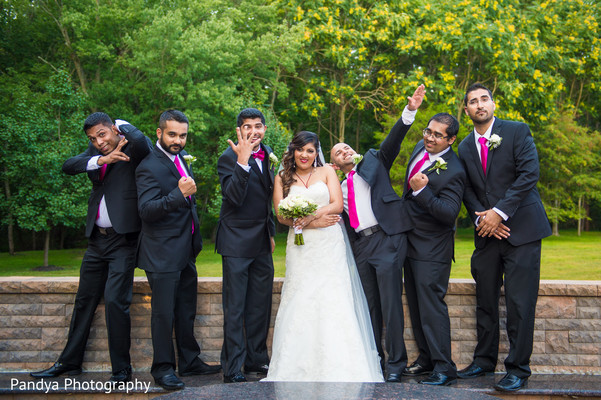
column 105, row 231
column 369, row 231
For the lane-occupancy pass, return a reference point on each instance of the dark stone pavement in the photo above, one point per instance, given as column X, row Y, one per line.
column 212, row 387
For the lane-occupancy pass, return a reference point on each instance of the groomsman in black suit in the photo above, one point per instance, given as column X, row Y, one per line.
column 502, row 168
column 112, row 228
column 245, row 240
column 169, row 243
column 376, row 224
column 432, row 197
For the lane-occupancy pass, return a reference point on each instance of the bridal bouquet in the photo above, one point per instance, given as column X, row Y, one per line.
column 296, row 207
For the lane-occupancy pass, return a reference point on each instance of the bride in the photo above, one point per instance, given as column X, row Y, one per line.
column 322, row 330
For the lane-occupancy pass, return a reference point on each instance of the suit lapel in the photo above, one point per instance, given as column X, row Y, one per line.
column 496, row 129
column 473, row 150
column 446, row 156
column 167, row 162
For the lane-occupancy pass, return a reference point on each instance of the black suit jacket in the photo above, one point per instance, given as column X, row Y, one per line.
column 166, row 242
column 374, row 168
column 246, row 219
column 509, row 184
column 434, row 210
column 119, row 184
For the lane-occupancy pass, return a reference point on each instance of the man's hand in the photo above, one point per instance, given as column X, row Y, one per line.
column 187, row 186
column 325, row 220
column 272, row 241
column 502, row 232
column 243, row 149
column 416, row 100
column 418, row 181
column 115, row 155
column 488, row 223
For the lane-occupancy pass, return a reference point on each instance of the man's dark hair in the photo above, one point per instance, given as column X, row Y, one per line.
column 95, row 119
column 449, row 121
column 475, row 86
column 172, row 115
column 249, row 113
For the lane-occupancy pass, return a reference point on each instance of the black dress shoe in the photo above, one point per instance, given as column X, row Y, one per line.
column 122, row 376
column 438, row 379
column 472, row 371
column 511, row 383
column 234, row 378
column 56, row 370
column 415, row 370
column 393, row 378
column 169, row 382
column 201, row 368
column 261, row 369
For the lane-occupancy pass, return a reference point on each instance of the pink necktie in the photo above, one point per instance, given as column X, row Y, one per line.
column 260, row 154
column 483, row 152
column 417, row 168
column 102, row 172
column 180, row 169
column 352, row 207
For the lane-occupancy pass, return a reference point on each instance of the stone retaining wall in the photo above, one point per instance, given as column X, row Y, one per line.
column 35, row 315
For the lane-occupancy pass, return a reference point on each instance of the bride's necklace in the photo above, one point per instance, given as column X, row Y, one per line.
column 305, row 184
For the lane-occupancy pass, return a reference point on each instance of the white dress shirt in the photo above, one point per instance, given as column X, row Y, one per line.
column 429, row 161
column 487, row 135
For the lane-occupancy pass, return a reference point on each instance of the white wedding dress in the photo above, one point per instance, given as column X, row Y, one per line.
column 322, row 329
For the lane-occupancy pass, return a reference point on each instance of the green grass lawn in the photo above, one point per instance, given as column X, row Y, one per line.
column 567, row 257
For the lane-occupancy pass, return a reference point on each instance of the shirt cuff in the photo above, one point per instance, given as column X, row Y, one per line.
column 501, row 213
column 244, row 167
column 408, row 116
column 119, row 122
column 418, row 191
column 93, row 164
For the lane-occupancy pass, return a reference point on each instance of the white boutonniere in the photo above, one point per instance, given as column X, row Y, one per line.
column 357, row 158
column 273, row 158
column 439, row 164
column 189, row 159
column 494, row 141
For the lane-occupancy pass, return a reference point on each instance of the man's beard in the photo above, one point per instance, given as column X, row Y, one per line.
column 170, row 149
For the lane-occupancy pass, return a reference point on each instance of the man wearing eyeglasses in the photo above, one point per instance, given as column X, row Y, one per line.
column 435, row 182
column 501, row 198
column 245, row 240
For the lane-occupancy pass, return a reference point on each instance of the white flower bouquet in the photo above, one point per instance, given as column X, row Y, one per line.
column 189, row 159
column 357, row 158
column 296, row 207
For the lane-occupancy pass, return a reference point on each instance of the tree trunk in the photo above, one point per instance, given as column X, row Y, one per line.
column 341, row 118
column 11, row 240
column 556, row 218
column 579, row 215
column 46, row 247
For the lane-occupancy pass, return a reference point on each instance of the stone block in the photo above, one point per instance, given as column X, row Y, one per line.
column 141, row 332
column 588, row 313
column 588, row 301
column 468, row 323
column 462, row 287
column 585, row 348
column 463, row 334
column 461, row 311
column 50, row 356
column 452, row 300
column 455, row 323
column 19, row 356
column 556, row 307
column 539, row 335
column 581, row 289
column 8, row 285
column 589, row 360
column 20, row 309
column 98, row 332
column 54, row 338
column 209, row 285
column 554, row 359
column 19, row 345
column 585, row 337
column 53, row 309
column 140, row 309
column 35, row 285
column 203, row 307
column 557, row 342
column 20, row 333
column 64, row 286
column 209, row 320
column 210, row 344
column 216, row 309
column 140, row 320
column 22, row 321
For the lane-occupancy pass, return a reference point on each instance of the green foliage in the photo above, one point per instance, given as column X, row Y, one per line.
column 340, row 68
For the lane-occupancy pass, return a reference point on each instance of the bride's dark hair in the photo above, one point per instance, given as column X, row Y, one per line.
column 300, row 140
